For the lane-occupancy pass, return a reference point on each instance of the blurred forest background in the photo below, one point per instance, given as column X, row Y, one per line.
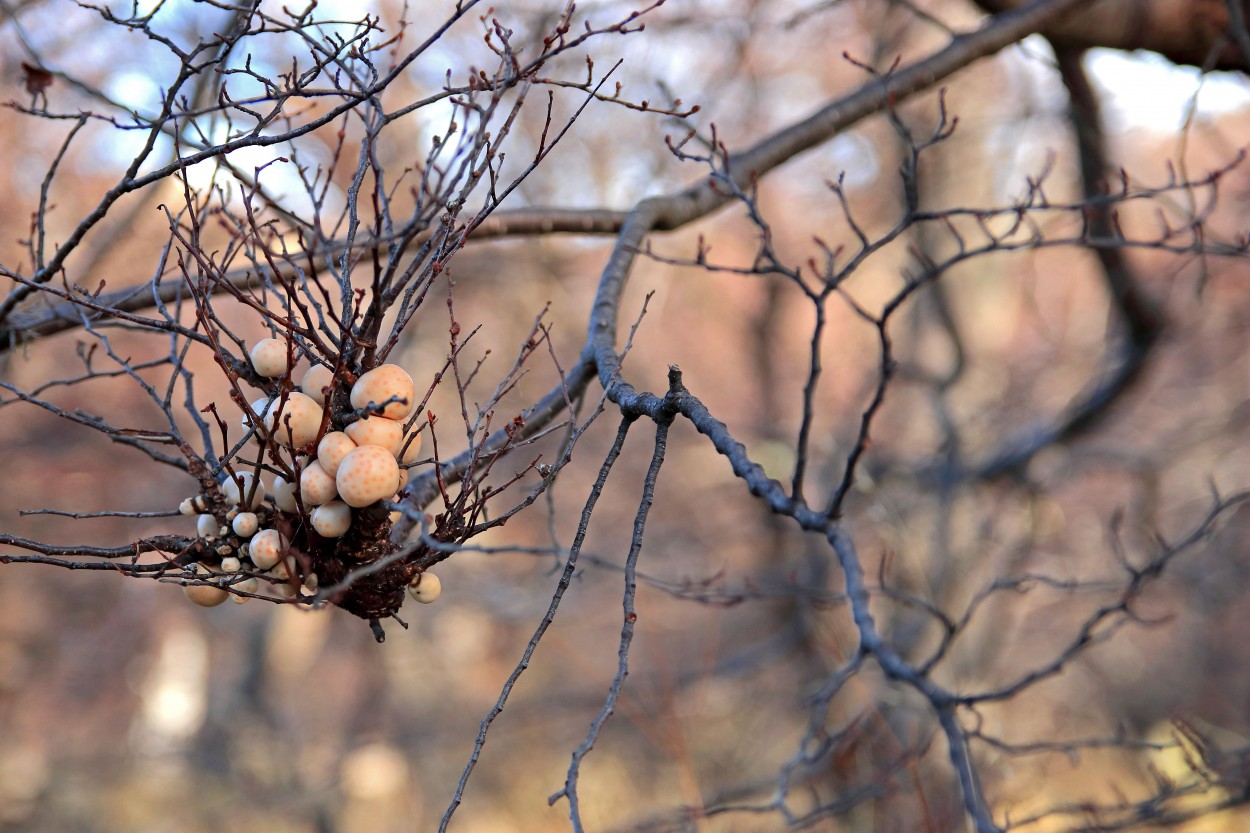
column 123, row 708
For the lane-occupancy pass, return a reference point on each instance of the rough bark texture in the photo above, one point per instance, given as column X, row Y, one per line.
column 371, row 595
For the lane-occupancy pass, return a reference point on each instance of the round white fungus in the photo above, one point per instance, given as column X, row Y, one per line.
column 237, row 487
column 204, row 595
column 245, row 525
column 248, row 585
column 332, row 519
column 269, row 357
column 410, row 449
column 315, row 486
column 260, row 408
column 206, row 526
column 315, row 378
column 266, row 548
column 425, row 588
column 383, row 383
column 333, row 447
column 367, row 475
column 379, row 431
column 296, row 420
column 284, row 494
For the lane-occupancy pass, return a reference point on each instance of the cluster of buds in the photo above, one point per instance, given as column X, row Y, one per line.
column 355, row 465
column 246, row 551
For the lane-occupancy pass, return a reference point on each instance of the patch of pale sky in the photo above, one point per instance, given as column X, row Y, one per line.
column 134, row 89
column 1140, row 90
column 1143, row 90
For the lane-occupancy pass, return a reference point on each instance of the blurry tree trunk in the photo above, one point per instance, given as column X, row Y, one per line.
column 1201, row 33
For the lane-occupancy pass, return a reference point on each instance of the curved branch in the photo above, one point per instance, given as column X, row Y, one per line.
column 672, row 211
column 54, row 318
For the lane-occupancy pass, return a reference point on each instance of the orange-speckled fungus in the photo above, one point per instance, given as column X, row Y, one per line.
column 367, row 475
column 383, row 383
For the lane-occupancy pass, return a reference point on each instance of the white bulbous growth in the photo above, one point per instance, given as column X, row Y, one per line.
column 315, row 378
column 281, row 570
column 367, row 475
column 204, row 595
column 315, row 486
column 237, row 487
column 206, row 526
column 382, row 383
column 260, row 408
column 269, row 357
column 284, row 494
column 266, row 548
column 332, row 519
column 296, row 420
column 248, row 585
column 410, row 449
column 245, row 525
column 425, row 588
column 334, row 446
column 379, row 431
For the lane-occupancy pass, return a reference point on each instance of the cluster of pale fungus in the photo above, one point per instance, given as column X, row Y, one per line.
column 353, row 468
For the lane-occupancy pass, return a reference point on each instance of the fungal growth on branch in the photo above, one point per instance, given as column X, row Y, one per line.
column 340, row 445
column 871, row 473
column 299, row 279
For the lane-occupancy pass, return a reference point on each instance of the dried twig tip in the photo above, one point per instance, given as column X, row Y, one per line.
column 674, row 379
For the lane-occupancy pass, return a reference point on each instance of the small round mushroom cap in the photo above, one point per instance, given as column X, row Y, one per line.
column 269, row 357
column 300, row 413
column 204, row 595
column 248, row 585
column 333, row 447
column 315, row 378
column 315, row 486
column 238, row 486
column 280, row 578
column 266, row 548
column 260, row 407
column 231, row 565
column 245, row 525
column 284, row 494
column 425, row 588
column 410, row 449
column 379, row 431
column 332, row 519
column 367, row 475
column 382, row 383
column 281, row 570
column 206, row 526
